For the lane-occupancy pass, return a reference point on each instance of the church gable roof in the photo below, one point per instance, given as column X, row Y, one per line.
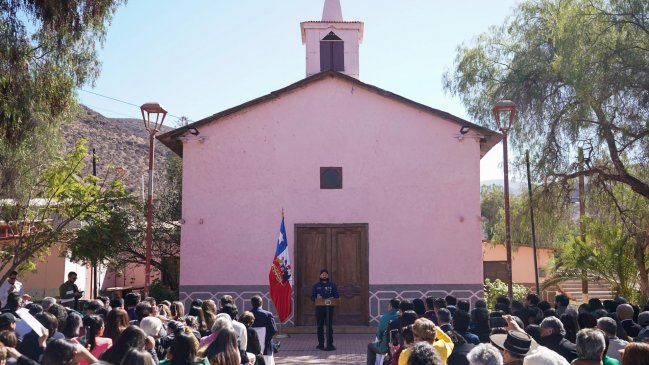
column 487, row 141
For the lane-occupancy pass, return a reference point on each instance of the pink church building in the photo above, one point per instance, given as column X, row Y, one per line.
column 382, row 191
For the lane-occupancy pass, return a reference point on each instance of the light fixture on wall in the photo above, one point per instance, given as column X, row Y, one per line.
column 464, row 130
column 194, row 131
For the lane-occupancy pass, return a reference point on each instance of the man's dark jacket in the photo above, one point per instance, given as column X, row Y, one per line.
column 560, row 345
column 264, row 318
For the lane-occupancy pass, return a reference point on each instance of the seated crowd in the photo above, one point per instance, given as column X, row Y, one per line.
column 137, row 332
column 438, row 331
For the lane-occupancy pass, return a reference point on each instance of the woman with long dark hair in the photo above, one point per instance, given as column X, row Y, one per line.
column 64, row 352
column 224, row 350
column 198, row 313
column 183, row 351
column 94, row 342
column 116, row 322
column 72, row 326
column 131, row 338
column 137, row 357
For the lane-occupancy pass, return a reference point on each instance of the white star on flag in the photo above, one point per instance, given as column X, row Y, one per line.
column 281, row 237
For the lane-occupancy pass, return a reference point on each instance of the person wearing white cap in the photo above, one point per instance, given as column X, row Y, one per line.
column 544, row 356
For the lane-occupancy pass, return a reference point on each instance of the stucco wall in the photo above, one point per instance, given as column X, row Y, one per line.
column 405, row 174
column 522, row 260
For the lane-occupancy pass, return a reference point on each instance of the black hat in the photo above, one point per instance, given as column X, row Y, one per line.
column 516, row 342
column 7, row 319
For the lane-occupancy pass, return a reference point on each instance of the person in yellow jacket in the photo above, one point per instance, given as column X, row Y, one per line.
column 425, row 330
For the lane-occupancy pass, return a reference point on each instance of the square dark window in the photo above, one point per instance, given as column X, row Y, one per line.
column 331, row 178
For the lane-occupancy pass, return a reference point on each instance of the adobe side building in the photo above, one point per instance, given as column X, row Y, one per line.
column 379, row 189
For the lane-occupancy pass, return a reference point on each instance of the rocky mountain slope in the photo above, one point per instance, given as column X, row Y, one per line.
column 117, row 143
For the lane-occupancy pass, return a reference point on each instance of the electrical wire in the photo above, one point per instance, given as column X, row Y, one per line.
column 121, row 101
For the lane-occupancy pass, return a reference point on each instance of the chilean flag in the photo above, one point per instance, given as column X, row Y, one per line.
column 281, row 277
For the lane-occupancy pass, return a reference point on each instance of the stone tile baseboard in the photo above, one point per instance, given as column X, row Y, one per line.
column 379, row 296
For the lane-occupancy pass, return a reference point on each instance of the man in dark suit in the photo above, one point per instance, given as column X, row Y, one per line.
column 264, row 318
column 625, row 315
column 324, row 289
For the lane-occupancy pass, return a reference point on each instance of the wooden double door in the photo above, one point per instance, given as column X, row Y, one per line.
column 342, row 250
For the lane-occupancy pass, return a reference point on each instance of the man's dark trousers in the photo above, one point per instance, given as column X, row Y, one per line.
column 321, row 318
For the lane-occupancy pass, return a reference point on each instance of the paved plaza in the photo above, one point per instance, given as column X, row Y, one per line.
column 300, row 349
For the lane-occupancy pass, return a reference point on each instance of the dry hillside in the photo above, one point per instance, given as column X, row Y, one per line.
column 117, row 142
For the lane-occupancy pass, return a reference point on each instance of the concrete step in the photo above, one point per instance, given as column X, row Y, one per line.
column 596, row 289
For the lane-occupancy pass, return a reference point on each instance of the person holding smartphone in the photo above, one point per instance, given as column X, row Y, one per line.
column 69, row 291
column 380, row 345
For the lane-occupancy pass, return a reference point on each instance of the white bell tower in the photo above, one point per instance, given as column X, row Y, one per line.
column 332, row 43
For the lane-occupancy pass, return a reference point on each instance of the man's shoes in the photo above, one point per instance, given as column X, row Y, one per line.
column 320, row 347
column 330, row 348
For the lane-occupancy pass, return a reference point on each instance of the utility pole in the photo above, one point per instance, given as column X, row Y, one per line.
column 582, row 223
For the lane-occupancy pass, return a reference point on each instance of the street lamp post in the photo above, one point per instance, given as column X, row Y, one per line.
column 506, row 108
column 152, row 126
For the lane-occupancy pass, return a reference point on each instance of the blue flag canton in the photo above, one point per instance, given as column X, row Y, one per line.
column 282, row 257
column 282, row 244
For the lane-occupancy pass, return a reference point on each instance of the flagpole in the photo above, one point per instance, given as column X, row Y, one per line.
column 279, row 330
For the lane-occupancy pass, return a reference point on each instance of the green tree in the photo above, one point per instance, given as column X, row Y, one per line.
column 578, row 71
column 47, row 49
column 50, row 211
column 118, row 237
column 606, row 254
column 552, row 219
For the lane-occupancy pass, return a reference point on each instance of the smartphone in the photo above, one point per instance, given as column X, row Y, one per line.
column 394, row 337
column 496, row 322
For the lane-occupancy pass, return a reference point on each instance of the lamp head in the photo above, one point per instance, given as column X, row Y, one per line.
column 158, row 111
column 507, row 110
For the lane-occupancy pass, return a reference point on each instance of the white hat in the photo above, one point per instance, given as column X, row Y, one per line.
column 151, row 326
column 544, row 356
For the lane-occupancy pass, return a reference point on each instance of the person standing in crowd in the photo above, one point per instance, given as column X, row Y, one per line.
column 461, row 322
column 451, row 304
column 324, row 289
column 12, row 285
column 69, row 291
column 553, row 337
column 265, row 319
column 615, row 344
column 561, row 303
column 461, row 349
column 643, row 321
column 239, row 328
column 513, row 346
column 444, row 317
column 625, row 316
column 590, row 347
column 485, row 354
column 430, row 310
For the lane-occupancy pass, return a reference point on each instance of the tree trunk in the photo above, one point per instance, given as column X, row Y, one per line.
column 640, row 260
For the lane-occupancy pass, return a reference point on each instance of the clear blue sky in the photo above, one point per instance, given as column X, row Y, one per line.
column 198, row 57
